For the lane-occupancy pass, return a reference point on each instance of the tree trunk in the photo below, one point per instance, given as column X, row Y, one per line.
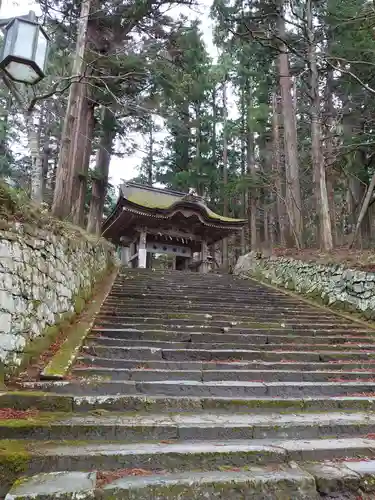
column 225, row 172
column 4, row 133
column 81, row 141
column 186, row 136
column 83, row 156
column 243, row 168
column 33, row 139
column 252, row 194
column 150, row 159
column 363, row 210
column 45, row 119
column 266, row 228
column 198, row 163
column 293, row 189
column 316, row 137
column 214, row 187
column 330, row 149
column 62, row 202
column 100, row 178
column 276, row 164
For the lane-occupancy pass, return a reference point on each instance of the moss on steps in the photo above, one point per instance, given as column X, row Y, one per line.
column 23, row 400
column 62, row 360
column 14, row 462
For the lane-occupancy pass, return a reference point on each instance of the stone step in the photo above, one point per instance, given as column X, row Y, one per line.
column 204, row 297
column 180, row 455
column 156, row 313
column 146, row 374
column 292, row 329
column 54, row 485
column 204, row 294
column 252, row 483
column 234, row 389
column 198, row 289
column 155, row 353
column 157, row 323
column 282, row 333
column 245, row 309
column 288, row 344
column 228, row 282
column 106, row 336
column 204, row 300
column 212, row 291
column 283, row 365
column 158, row 403
column 266, row 321
column 214, row 309
column 344, row 479
column 185, row 427
column 182, row 280
column 201, row 307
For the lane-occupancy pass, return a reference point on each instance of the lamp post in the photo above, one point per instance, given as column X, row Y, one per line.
column 25, row 49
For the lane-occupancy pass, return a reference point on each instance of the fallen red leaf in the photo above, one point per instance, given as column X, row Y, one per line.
column 352, row 459
column 79, row 364
column 106, row 477
column 358, row 395
column 12, row 414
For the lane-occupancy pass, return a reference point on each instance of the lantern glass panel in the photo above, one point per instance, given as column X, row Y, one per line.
column 25, row 40
column 22, row 72
column 41, row 50
column 10, row 34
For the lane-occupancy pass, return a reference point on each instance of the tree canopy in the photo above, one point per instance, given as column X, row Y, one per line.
column 277, row 125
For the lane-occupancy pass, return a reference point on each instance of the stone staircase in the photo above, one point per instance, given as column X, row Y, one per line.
column 197, row 386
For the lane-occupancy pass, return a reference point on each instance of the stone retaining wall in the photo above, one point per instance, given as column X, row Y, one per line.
column 44, row 279
column 346, row 289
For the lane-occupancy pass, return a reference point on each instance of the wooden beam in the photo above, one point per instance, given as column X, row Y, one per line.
column 167, row 248
column 171, row 232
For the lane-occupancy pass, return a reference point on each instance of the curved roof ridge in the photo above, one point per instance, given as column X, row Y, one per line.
column 146, row 187
column 164, row 200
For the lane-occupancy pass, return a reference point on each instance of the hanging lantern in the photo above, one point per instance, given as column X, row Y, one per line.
column 25, row 51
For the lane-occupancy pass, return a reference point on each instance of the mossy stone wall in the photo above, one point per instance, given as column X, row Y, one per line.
column 346, row 289
column 46, row 274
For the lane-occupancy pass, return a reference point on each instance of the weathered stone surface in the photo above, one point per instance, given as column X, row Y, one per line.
column 40, row 278
column 56, row 485
column 333, row 477
column 366, row 472
column 255, row 484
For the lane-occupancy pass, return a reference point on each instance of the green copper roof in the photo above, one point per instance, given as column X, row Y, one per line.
column 161, row 199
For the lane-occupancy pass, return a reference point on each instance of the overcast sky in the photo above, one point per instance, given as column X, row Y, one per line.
column 126, row 167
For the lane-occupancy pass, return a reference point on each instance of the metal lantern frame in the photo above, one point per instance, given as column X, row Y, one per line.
column 10, row 57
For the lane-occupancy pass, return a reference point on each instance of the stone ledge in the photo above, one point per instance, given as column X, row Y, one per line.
column 300, row 481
